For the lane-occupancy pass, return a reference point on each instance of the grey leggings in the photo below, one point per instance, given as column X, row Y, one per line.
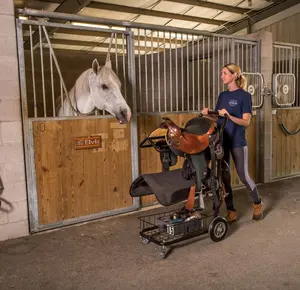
column 240, row 158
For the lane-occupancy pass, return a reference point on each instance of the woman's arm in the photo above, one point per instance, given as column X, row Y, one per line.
column 245, row 121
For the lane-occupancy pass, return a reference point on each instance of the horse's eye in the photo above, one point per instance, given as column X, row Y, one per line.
column 104, row 87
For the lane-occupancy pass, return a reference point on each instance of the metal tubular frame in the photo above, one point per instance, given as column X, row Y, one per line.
column 286, row 60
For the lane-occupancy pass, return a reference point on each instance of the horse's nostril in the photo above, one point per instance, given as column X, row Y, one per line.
column 124, row 113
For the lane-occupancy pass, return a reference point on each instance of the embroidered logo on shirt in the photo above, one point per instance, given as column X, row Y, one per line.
column 233, row 103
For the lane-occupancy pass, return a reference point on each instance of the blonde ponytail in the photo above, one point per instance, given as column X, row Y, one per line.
column 241, row 82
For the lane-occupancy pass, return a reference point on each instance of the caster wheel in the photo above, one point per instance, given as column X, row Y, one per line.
column 218, row 229
column 164, row 252
column 145, row 240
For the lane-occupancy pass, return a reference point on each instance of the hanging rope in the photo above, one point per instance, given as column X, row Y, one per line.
column 284, row 128
column 109, row 48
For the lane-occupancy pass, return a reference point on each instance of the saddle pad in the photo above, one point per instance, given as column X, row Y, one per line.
column 169, row 187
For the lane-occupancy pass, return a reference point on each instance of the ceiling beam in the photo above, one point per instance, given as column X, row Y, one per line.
column 67, row 6
column 155, row 13
column 256, row 16
column 213, row 5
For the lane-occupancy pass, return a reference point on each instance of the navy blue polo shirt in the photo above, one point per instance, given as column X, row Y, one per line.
column 236, row 103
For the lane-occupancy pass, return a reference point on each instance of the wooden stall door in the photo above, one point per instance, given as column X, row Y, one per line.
column 285, row 147
column 78, row 182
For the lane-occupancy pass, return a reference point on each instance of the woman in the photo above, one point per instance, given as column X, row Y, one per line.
column 237, row 104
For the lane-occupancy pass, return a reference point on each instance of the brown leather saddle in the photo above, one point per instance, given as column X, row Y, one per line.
column 193, row 138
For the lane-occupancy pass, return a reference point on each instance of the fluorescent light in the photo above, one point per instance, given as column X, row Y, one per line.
column 90, row 25
column 98, row 26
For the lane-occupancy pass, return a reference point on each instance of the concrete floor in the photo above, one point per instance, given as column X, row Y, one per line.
column 108, row 254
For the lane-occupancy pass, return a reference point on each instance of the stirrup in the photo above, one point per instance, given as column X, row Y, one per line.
column 201, row 200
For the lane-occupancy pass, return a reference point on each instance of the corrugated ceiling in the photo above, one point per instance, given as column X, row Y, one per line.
column 161, row 16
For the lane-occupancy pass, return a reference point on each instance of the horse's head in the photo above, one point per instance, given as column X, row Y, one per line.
column 105, row 91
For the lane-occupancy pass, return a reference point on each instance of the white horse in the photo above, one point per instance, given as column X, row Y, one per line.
column 97, row 88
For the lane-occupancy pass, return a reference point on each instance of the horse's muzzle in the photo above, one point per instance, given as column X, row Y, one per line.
column 124, row 116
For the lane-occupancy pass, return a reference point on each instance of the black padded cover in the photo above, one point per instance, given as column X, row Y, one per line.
column 169, row 187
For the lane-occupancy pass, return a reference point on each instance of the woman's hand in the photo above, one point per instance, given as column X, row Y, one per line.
column 205, row 111
column 223, row 112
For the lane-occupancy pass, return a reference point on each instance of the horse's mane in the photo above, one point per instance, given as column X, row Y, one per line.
column 81, row 85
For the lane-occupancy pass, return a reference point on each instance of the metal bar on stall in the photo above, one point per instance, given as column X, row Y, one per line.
column 279, row 56
column 251, row 59
column 284, row 60
column 298, row 76
column 275, row 59
column 182, row 96
column 52, row 84
column 214, row 73
column 242, row 67
column 223, row 54
column 278, row 59
column 193, row 70
column 238, row 53
column 198, row 74
column 232, row 52
column 124, row 67
column 165, row 76
column 116, row 54
column 62, row 95
column 140, row 74
column 278, row 43
column 292, row 69
column 203, row 73
column 257, row 56
column 176, row 72
column 152, row 73
column 228, row 50
column 247, row 59
column 43, row 76
column 33, row 73
column 146, row 71
column 133, row 124
column 291, row 61
column 219, row 67
column 287, row 58
column 158, row 73
column 171, row 77
column 187, row 73
column 28, row 134
column 208, row 73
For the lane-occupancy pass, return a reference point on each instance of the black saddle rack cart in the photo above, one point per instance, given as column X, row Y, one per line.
column 173, row 186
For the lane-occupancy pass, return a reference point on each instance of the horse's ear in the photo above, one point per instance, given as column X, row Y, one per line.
column 108, row 64
column 95, row 66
